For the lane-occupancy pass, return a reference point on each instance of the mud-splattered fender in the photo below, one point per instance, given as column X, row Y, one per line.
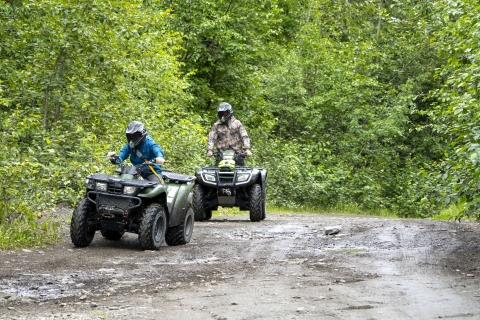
column 179, row 196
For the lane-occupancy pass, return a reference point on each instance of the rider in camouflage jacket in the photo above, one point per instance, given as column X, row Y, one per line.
column 228, row 133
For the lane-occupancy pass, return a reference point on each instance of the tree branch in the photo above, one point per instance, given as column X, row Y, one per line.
column 229, row 7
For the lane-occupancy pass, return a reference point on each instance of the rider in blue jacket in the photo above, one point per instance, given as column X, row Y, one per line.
column 141, row 147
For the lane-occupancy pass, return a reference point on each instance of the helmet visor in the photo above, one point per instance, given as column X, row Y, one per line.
column 134, row 139
column 222, row 114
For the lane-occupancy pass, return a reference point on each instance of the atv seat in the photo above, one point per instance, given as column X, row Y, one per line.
column 177, row 177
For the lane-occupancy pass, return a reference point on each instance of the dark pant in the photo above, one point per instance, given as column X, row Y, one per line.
column 153, row 177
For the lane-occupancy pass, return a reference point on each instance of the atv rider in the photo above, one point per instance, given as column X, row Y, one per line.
column 228, row 133
column 141, row 147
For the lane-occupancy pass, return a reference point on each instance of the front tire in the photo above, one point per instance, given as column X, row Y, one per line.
column 80, row 233
column 153, row 227
column 200, row 212
column 181, row 234
column 255, row 202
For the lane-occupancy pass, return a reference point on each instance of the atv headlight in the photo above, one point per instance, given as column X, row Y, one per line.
column 242, row 177
column 209, row 177
column 101, row 186
column 89, row 184
column 129, row 190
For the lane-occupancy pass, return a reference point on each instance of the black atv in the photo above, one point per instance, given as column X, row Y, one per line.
column 128, row 203
column 230, row 185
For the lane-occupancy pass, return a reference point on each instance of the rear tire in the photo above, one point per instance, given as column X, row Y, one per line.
column 264, row 209
column 112, row 235
column 181, row 234
column 255, row 202
column 198, row 204
column 80, row 233
column 153, row 227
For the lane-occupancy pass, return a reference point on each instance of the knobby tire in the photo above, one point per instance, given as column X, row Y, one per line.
column 80, row 234
column 182, row 233
column 153, row 227
column 255, row 202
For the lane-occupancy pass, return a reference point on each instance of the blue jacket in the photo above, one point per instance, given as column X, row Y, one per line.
column 149, row 149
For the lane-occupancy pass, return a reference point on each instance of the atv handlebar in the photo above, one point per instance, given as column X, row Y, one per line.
column 218, row 156
column 115, row 158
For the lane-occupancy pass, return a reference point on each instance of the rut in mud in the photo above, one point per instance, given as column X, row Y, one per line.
column 284, row 267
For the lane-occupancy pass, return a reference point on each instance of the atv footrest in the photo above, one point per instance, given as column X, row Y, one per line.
column 112, row 225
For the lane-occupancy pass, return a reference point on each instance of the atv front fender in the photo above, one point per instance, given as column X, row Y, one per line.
column 179, row 195
column 153, row 192
column 264, row 183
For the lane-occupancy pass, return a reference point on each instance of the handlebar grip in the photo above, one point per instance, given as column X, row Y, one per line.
column 114, row 159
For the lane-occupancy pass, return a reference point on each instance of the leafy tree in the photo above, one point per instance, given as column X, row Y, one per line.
column 456, row 36
column 74, row 74
column 351, row 90
column 225, row 45
column 346, row 102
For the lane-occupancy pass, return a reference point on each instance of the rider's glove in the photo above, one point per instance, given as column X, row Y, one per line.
column 209, row 153
column 248, row 153
column 115, row 159
column 111, row 154
column 159, row 160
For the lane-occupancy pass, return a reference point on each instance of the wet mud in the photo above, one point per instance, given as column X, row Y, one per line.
column 284, row 267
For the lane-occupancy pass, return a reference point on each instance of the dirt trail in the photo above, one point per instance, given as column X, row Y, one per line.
column 282, row 268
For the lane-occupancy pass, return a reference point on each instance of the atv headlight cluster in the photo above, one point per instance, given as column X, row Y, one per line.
column 129, row 190
column 101, row 186
column 209, row 177
column 242, row 177
column 90, row 184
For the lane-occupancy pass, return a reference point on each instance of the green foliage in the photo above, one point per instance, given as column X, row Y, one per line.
column 24, row 233
column 371, row 105
column 73, row 75
column 456, row 34
column 346, row 96
column 225, row 44
column 452, row 212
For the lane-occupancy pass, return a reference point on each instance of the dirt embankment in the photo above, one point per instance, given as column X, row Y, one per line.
column 282, row 268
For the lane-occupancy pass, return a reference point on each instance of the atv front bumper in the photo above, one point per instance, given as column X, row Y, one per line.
column 113, row 205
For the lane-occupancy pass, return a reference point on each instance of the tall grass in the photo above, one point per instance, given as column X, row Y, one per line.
column 453, row 212
column 24, row 234
column 339, row 209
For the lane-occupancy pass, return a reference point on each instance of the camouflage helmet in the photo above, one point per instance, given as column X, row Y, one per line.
column 224, row 111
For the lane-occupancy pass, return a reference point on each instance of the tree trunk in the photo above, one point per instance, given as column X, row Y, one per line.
column 379, row 23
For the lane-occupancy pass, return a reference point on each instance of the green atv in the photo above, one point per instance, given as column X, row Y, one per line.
column 128, row 203
column 230, row 185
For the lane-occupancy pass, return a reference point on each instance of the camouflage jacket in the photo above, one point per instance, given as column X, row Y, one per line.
column 228, row 136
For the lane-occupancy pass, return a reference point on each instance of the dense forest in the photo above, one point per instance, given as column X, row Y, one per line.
column 368, row 104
